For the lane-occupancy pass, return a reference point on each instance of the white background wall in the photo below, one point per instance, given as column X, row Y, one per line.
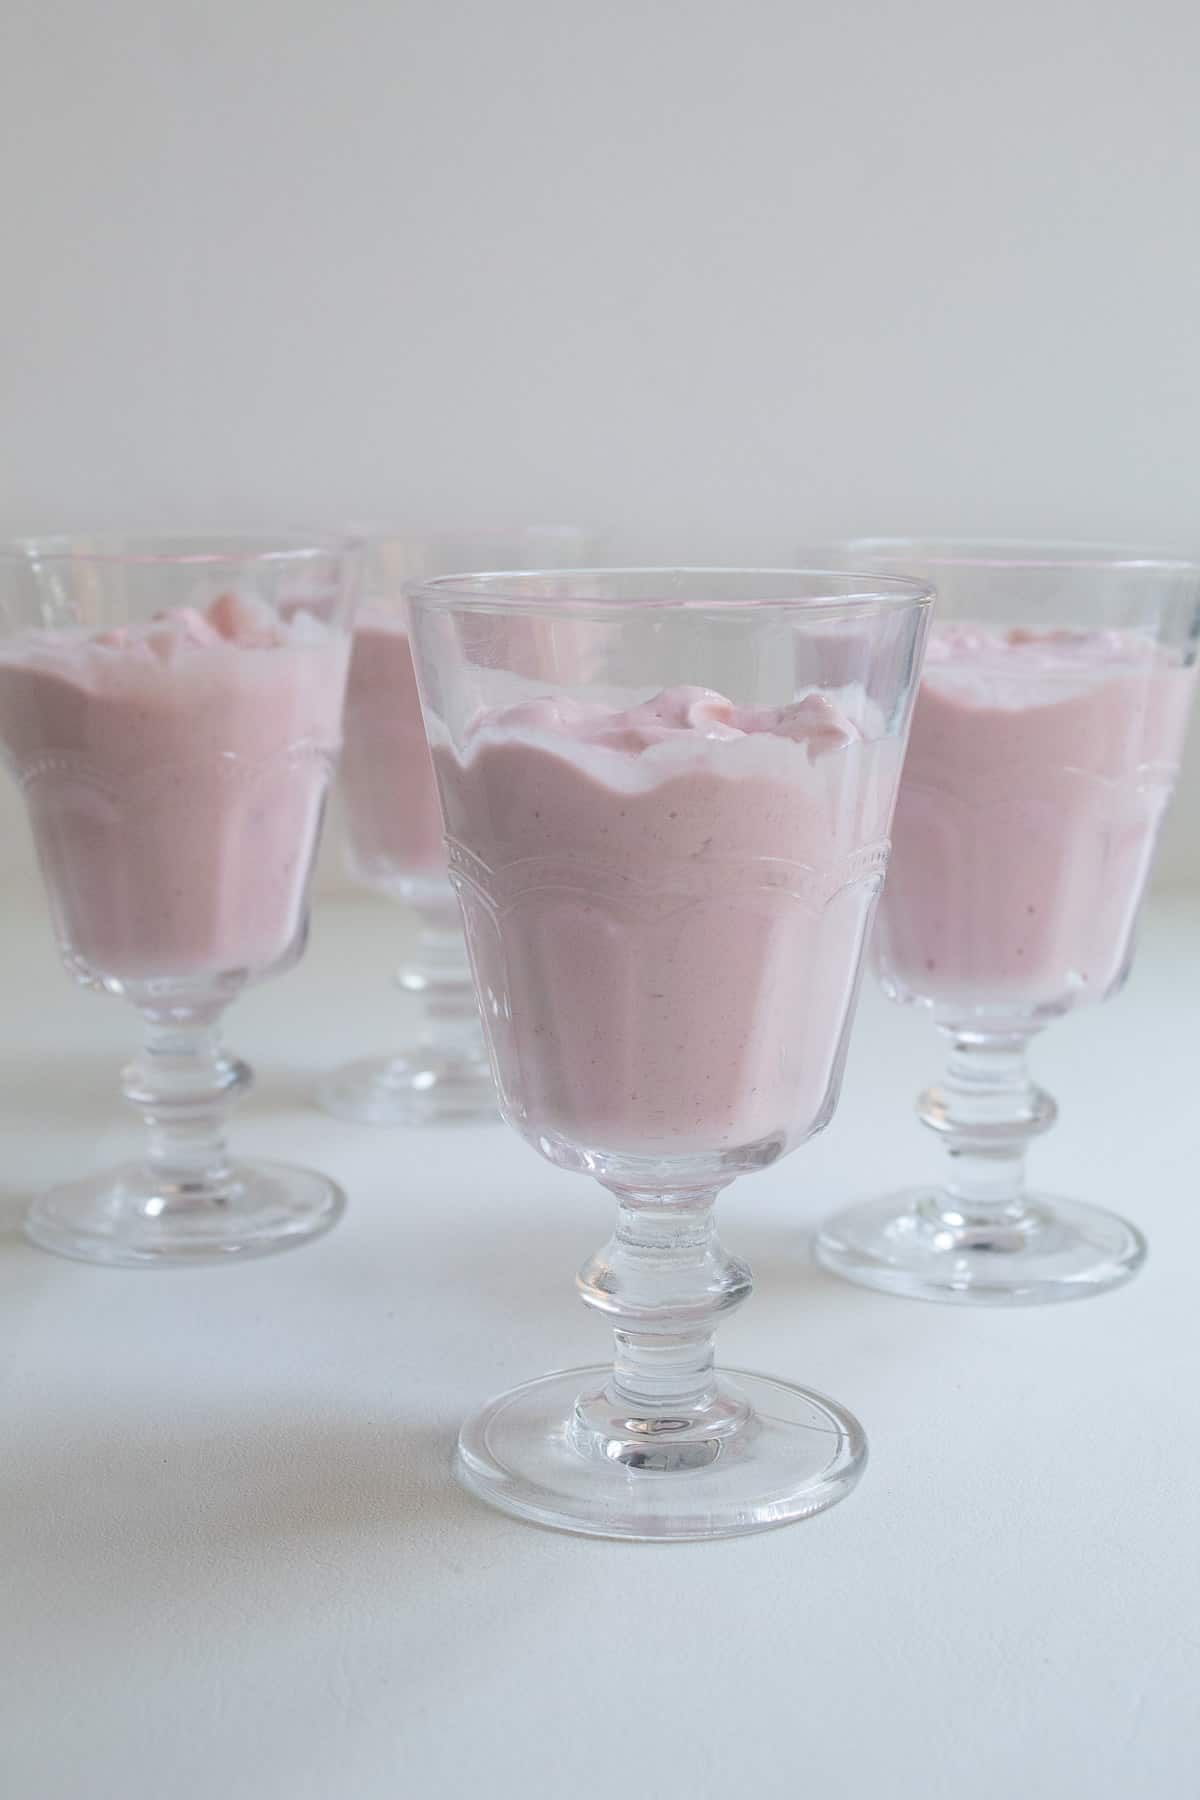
column 721, row 275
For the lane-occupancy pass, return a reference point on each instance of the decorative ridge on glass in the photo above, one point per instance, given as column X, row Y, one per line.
column 686, row 881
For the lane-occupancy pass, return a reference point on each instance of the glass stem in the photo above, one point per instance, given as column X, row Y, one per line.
column 440, row 973
column 986, row 1110
column 663, row 1281
column 184, row 1084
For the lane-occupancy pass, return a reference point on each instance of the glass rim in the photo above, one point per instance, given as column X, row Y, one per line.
column 1021, row 553
column 374, row 530
column 498, row 591
column 177, row 549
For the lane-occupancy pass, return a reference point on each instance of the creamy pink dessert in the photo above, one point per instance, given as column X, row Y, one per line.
column 387, row 784
column 1039, row 768
column 175, row 773
column 665, row 906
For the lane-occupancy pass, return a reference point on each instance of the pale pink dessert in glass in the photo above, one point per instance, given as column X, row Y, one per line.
column 393, row 819
column 175, row 772
column 394, row 838
column 393, row 828
column 1045, row 741
column 665, row 906
column 171, row 710
column 1039, row 767
column 666, row 894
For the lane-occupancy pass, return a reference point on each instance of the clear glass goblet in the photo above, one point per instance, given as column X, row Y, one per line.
column 1046, row 737
column 171, row 709
column 393, row 825
column 667, row 836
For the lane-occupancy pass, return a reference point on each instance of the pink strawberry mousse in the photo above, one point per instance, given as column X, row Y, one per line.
column 175, row 773
column 665, row 906
column 393, row 818
column 1039, row 768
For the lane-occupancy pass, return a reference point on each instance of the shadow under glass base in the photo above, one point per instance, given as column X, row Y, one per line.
column 423, row 1088
column 126, row 1219
column 911, row 1244
column 533, row 1453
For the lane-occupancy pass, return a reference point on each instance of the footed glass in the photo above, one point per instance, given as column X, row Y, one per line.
column 393, row 826
column 171, row 709
column 667, row 828
column 1045, row 742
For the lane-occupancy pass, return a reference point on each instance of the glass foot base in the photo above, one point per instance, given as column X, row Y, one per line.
column 421, row 1089
column 123, row 1219
column 793, row 1453
column 1056, row 1250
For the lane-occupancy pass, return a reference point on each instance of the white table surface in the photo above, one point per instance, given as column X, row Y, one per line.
column 235, row 1566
